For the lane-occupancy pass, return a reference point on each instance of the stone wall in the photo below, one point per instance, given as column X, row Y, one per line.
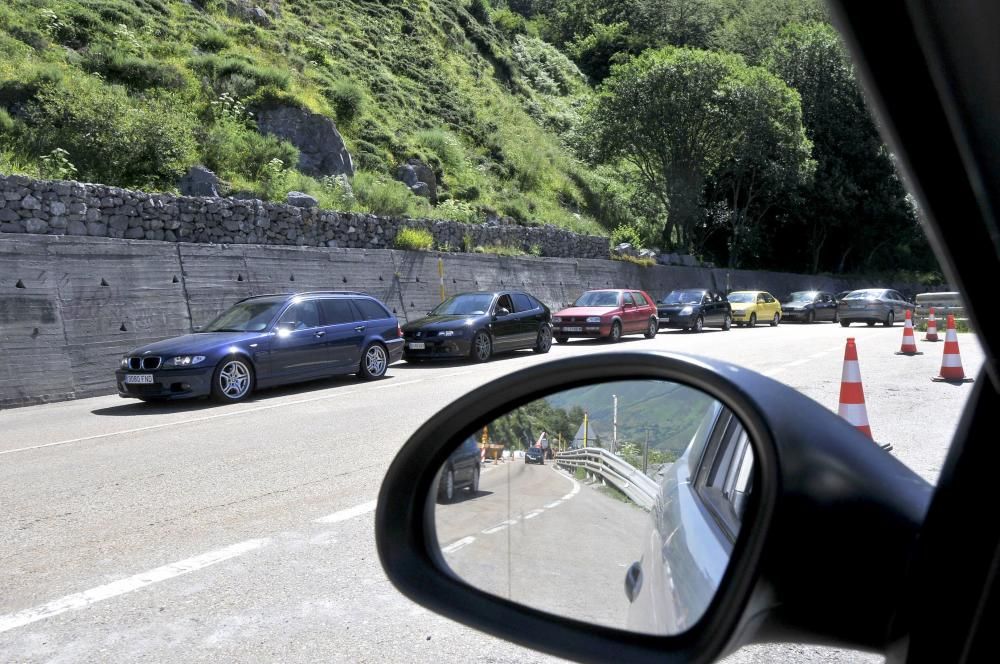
column 71, row 306
column 73, row 208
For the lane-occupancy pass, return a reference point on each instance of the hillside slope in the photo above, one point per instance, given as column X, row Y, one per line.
column 133, row 93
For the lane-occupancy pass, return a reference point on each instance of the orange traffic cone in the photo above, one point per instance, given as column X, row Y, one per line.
column 852, row 394
column 909, row 346
column 932, row 334
column 951, row 363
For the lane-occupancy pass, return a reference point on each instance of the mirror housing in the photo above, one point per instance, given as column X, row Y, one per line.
column 197, row 328
column 502, row 311
column 822, row 493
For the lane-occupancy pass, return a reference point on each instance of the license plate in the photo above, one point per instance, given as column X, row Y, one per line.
column 416, row 345
column 572, row 329
column 665, row 319
column 141, row 379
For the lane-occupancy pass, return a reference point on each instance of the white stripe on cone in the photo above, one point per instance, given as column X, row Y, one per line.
column 852, row 372
column 951, row 360
column 854, row 413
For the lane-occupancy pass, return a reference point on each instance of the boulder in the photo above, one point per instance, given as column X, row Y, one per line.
column 248, row 11
column 419, row 177
column 199, row 181
column 299, row 199
column 321, row 147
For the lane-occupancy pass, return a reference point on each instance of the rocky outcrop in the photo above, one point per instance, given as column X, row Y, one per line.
column 199, row 181
column 249, row 11
column 419, row 177
column 321, row 147
column 298, row 199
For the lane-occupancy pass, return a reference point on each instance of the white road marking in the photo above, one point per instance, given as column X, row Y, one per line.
column 500, row 526
column 554, row 503
column 532, row 514
column 455, row 546
column 116, row 588
column 349, row 513
column 193, row 420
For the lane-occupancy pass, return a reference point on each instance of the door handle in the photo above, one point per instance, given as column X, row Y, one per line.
column 360, row 328
column 321, row 333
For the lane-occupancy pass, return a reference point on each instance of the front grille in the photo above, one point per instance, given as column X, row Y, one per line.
column 147, row 363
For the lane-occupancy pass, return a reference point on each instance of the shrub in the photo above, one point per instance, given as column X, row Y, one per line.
column 57, row 166
column 641, row 262
column 456, row 211
column 112, row 137
column 414, row 239
column 627, row 233
column 274, row 180
column 445, row 146
column 238, row 75
column 347, row 99
column 133, row 71
column 212, row 41
column 230, row 148
column 380, row 195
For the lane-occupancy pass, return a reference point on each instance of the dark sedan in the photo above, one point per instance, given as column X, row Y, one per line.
column 266, row 341
column 461, row 470
column 810, row 306
column 873, row 305
column 534, row 455
column 693, row 309
column 477, row 325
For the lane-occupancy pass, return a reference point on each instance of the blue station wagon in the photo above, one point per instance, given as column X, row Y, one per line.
column 265, row 341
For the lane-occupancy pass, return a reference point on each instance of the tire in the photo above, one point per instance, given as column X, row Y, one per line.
column 474, row 487
column 845, row 323
column 775, row 320
column 544, row 341
column 447, row 490
column 562, row 340
column 374, row 362
column 482, row 347
column 616, row 332
column 890, row 318
column 753, row 320
column 727, row 323
column 812, row 317
column 836, row 316
column 699, row 325
column 870, row 323
column 652, row 328
column 232, row 381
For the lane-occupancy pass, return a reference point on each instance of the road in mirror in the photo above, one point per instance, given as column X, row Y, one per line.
column 615, row 504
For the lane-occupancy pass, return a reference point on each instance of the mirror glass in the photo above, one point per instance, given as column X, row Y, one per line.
column 614, row 503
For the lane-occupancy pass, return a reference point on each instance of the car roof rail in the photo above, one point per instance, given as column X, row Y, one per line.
column 330, row 292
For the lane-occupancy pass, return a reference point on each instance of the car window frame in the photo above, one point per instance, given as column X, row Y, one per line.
column 295, row 303
column 727, row 433
column 626, row 296
column 497, row 304
column 362, row 316
column 518, row 309
column 356, row 315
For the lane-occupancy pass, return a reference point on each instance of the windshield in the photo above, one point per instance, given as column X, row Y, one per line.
column 252, row 316
column 684, row 297
column 597, row 299
column 866, row 294
column 803, row 296
column 742, row 297
column 468, row 304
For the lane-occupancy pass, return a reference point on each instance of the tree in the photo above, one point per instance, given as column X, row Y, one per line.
column 661, row 113
column 768, row 155
column 676, row 22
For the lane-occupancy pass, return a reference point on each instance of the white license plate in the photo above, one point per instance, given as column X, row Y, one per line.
column 141, row 379
column 665, row 319
column 572, row 329
column 416, row 345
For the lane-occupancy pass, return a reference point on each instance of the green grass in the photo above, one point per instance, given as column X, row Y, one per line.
column 414, row 239
column 641, row 262
column 466, row 88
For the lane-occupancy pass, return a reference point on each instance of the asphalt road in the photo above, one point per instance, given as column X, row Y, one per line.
column 195, row 532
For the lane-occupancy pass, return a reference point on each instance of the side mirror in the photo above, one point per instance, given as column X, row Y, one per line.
column 197, row 328
column 502, row 311
column 722, row 530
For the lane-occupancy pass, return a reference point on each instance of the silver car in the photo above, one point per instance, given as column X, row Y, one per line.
column 873, row 305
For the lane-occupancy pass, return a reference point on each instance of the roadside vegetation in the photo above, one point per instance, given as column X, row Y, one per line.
column 735, row 131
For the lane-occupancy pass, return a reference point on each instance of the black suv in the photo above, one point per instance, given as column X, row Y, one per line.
column 693, row 309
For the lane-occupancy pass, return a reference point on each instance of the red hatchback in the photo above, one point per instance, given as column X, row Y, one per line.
column 608, row 313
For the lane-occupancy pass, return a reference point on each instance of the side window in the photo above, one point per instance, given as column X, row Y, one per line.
column 301, row 315
column 523, row 302
column 768, row 298
column 371, row 310
column 629, row 300
column 504, row 302
column 536, row 303
column 707, row 299
column 640, row 299
column 725, row 478
column 337, row 311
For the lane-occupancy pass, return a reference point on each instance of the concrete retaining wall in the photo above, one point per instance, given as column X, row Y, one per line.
column 71, row 306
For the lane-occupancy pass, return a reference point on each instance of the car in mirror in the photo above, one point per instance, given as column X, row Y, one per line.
column 706, row 537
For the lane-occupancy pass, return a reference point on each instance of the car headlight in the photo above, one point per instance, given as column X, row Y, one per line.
column 446, row 333
column 557, row 319
column 594, row 319
column 686, row 311
column 124, row 362
column 184, row 361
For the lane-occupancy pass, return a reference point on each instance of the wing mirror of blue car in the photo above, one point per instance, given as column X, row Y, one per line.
column 649, row 507
column 197, row 328
column 501, row 312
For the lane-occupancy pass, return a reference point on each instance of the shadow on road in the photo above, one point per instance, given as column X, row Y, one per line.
column 436, row 363
column 133, row 408
column 463, row 495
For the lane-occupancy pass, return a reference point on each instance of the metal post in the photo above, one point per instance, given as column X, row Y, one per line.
column 645, row 453
column 441, row 275
column 585, row 430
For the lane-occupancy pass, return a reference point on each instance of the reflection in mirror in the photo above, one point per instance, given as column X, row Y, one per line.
column 615, row 504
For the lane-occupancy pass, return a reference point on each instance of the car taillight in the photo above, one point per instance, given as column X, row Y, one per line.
column 399, row 331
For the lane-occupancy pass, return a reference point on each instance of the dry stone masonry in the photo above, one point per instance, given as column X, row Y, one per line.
column 73, row 208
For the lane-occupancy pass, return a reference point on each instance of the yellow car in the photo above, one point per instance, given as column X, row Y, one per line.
column 751, row 307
